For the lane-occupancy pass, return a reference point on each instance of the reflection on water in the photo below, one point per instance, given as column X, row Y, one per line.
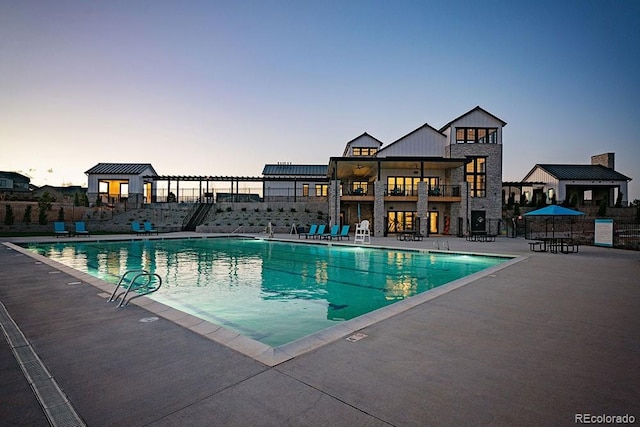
column 274, row 292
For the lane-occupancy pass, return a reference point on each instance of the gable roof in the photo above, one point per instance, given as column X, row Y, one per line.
column 477, row 108
column 426, row 126
column 294, row 170
column 121, row 168
column 357, row 138
column 582, row 172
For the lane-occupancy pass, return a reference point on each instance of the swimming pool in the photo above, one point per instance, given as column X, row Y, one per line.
column 271, row 291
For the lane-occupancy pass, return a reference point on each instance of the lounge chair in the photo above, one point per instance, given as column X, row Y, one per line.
column 81, row 230
column 335, row 229
column 135, row 228
column 344, row 233
column 59, row 229
column 320, row 231
column 312, row 232
column 148, row 228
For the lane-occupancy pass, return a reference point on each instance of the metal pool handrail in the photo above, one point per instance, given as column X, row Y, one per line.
column 132, row 282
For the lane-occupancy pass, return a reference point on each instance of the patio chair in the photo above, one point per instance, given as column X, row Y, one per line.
column 148, row 228
column 136, row 229
column 320, row 231
column 81, row 230
column 335, row 230
column 344, row 233
column 60, row 229
column 312, row 231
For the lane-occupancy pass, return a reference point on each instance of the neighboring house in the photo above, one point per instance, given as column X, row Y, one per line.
column 60, row 194
column 14, row 184
column 121, row 182
column 445, row 180
column 289, row 182
column 576, row 184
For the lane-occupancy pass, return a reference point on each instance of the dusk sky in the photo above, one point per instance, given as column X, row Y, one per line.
column 222, row 88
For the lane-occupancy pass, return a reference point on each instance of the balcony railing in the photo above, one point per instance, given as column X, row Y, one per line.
column 437, row 191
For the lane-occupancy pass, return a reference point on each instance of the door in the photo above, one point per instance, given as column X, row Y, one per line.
column 478, row 221
column 433, row 222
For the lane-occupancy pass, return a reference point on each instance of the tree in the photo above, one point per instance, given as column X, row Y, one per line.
column 26, row 218
column 8, row 216
column 61, row 214
column 76, row 199
column 619, row 200
column 45, row 203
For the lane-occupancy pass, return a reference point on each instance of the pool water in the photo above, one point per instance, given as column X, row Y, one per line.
column 273, row 292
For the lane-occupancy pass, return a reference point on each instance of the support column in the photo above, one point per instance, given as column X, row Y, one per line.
column 422, row 208
column 334, row 201
column 378, row 209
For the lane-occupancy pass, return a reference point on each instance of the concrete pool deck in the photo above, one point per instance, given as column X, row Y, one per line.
column 536, row 343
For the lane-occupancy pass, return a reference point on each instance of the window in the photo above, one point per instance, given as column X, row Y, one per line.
column 476, row 135
column 400, row 221
column 305, row 190
column 359, row 187
column 364, row 151
column 321, row 190
column 476, row 176
column 402, row 185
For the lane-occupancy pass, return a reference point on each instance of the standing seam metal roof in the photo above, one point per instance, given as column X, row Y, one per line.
column 584, row 172
column 120, row 168
column 295, row 170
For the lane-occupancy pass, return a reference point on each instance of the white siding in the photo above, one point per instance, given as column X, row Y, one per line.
column 423, row 142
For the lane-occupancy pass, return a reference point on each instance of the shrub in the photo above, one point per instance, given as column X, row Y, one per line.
column 293, row 209
column 229, row 209
column 602, row 208
column 61, row 214
column 243, row 209
column 26, row 218
column 8, row 216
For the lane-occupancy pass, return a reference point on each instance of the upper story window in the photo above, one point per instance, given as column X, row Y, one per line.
column 476, row 135
column 3, row 183
column 364, row 151
column 476, row 176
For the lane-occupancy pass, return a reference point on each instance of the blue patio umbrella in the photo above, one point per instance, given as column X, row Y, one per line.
column 554, row 211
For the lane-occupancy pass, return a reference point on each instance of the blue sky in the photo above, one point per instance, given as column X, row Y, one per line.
column 221, row 88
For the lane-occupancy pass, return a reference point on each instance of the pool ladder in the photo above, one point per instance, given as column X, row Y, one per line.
column 139, row 286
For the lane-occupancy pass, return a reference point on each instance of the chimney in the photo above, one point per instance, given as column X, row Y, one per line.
column 607, row 160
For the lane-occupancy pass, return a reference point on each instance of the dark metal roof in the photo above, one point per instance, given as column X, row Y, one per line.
column 120, row 168
column 294, row 170
column 584, row 172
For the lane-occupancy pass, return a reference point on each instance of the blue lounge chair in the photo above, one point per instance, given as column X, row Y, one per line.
column 344, row 233
column 81, row 230
column 59, row 229
column 320, row 231
column 332, row 233
column 312, row 232
column 148, row 228
column 135, row 228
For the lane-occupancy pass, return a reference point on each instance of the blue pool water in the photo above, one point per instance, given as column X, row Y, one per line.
column 274, row 292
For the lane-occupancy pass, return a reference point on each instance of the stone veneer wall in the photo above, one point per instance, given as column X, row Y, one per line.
column 492, row 203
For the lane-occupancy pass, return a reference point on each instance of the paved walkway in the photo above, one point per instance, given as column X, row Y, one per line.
column 535, row 343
